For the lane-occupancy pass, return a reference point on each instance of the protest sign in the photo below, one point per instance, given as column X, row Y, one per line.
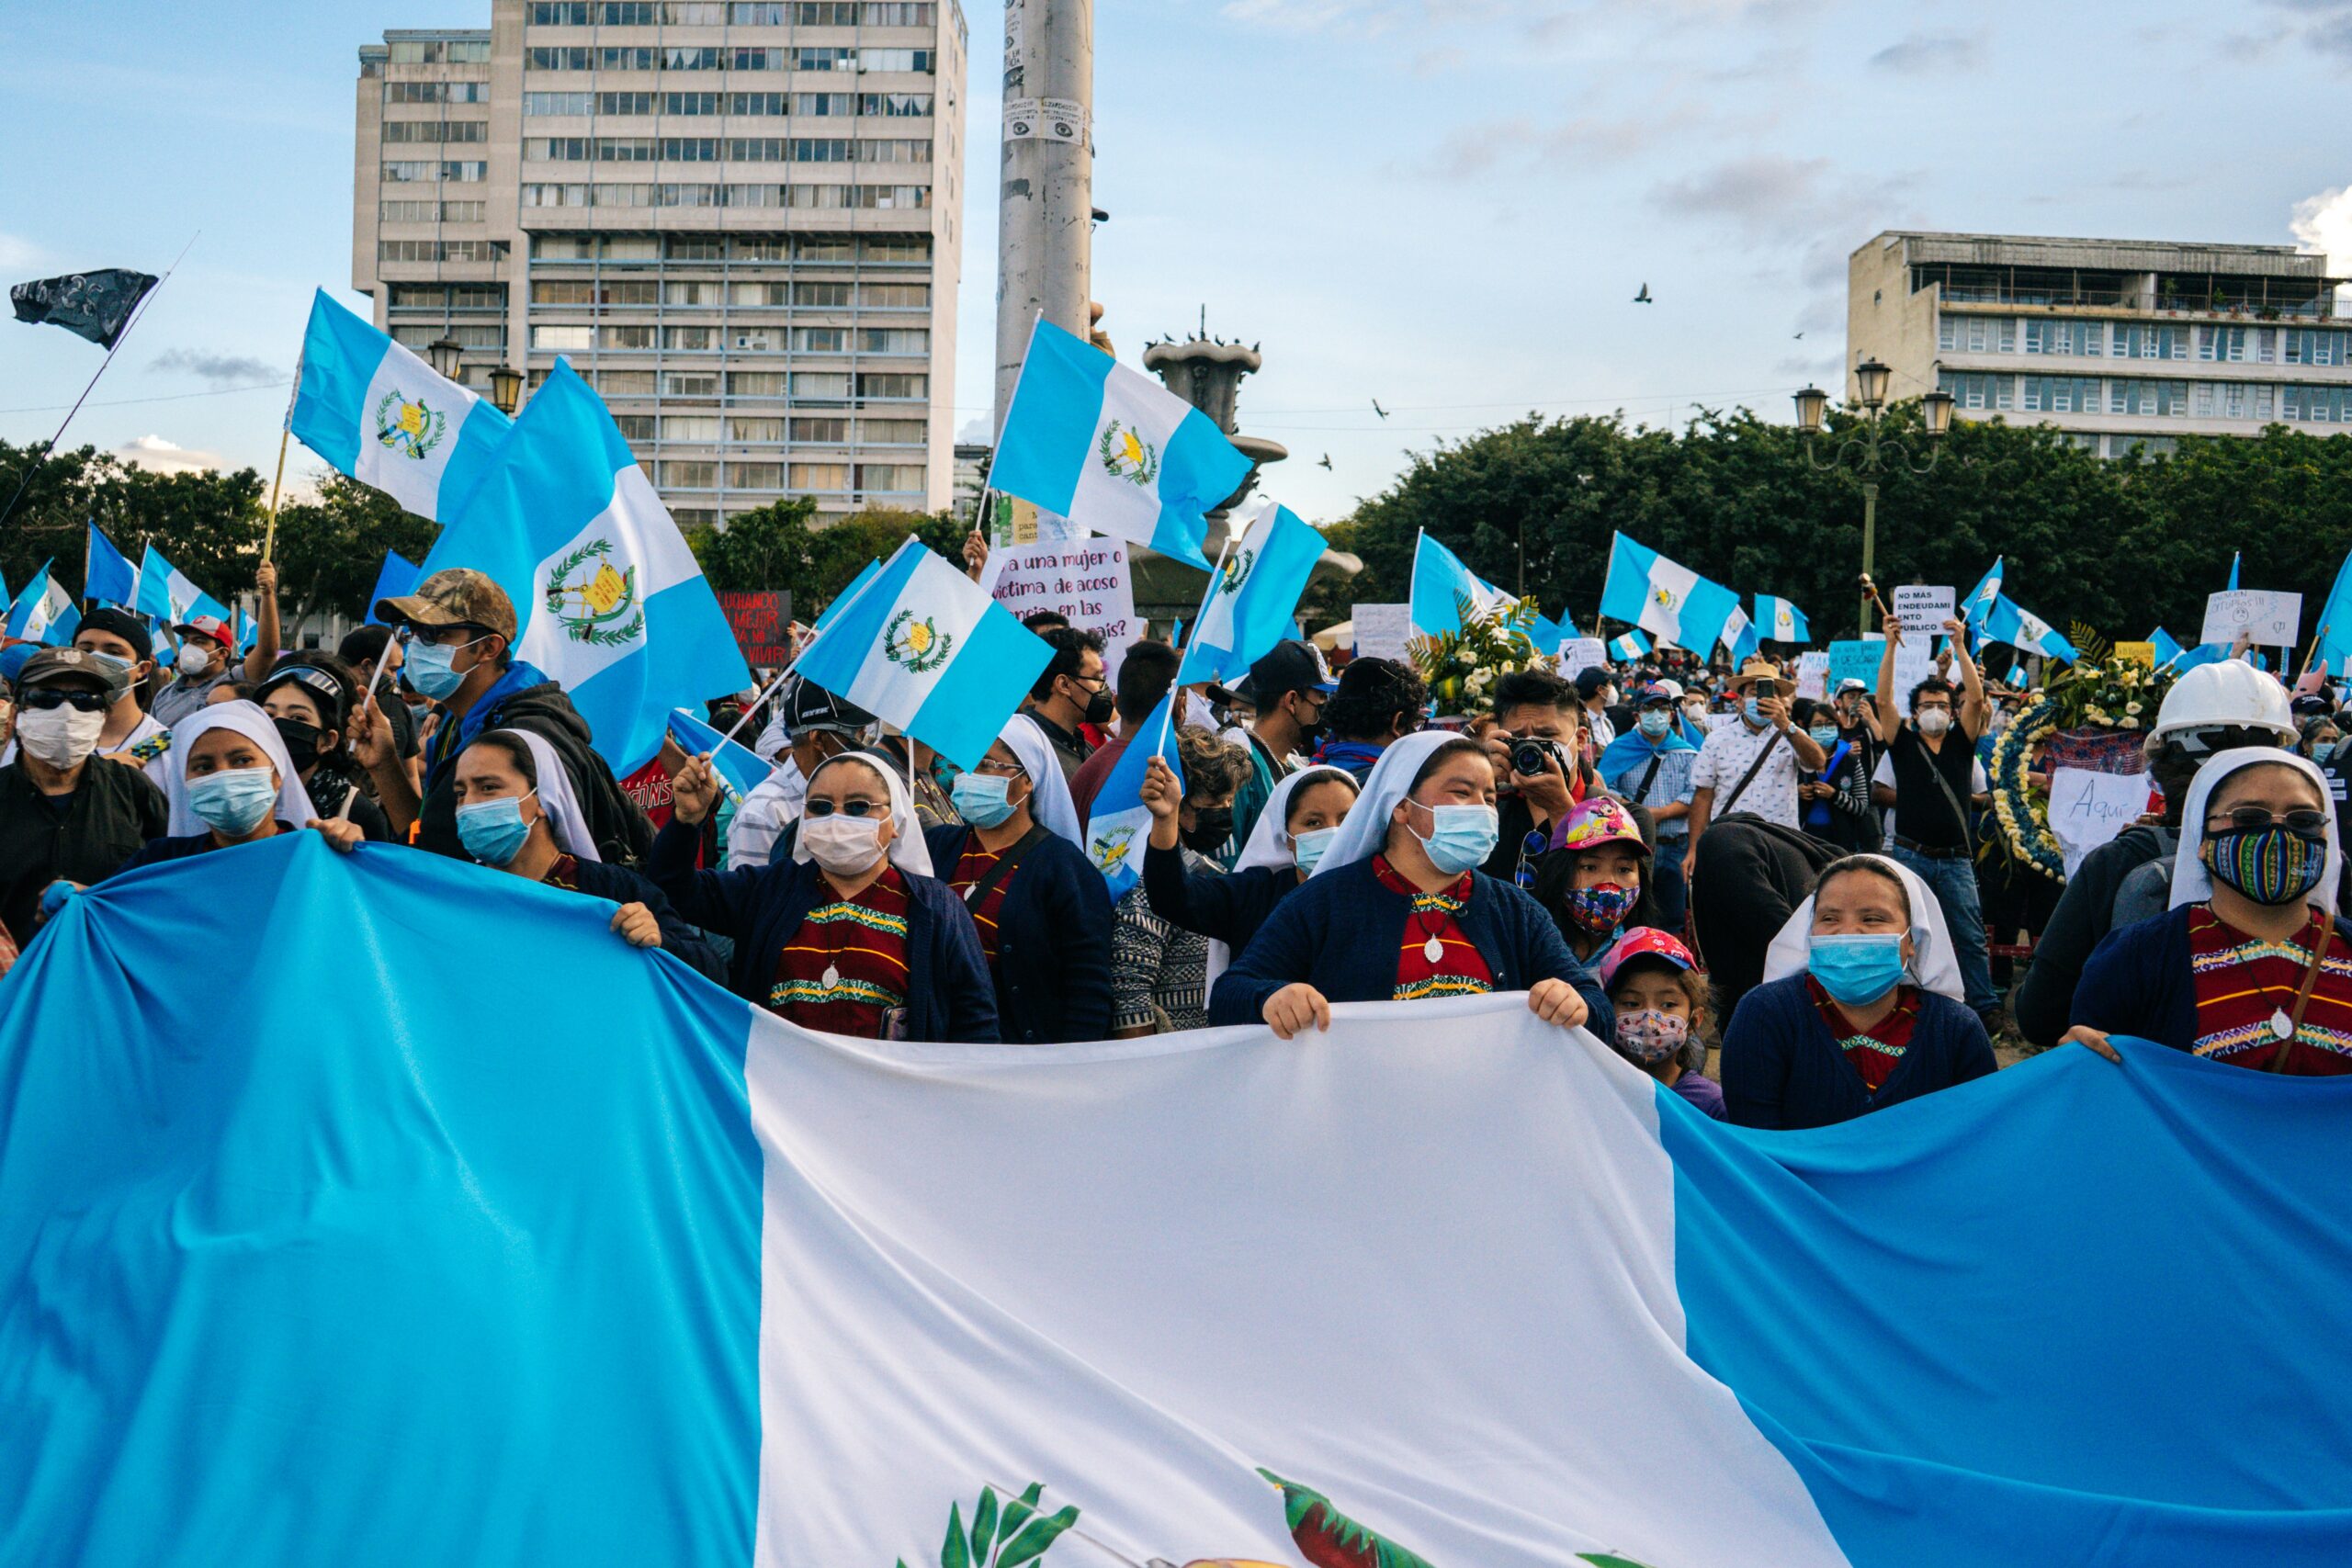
column 1854, row 662
column 1382, row 631
column 1915, row 661
column 1086, row 580
column 1813, row 673
column 2269, row 619
column 1922, row 607
column 1579, row 654
column 1012, row 521
column 2089, row 808
column 759, row 620
column 2142, row 653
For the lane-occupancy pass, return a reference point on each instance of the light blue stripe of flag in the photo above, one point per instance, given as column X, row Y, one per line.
column 1250, row 604
column 2234, row 558
column 848, row 595
column 1982, row 598
column 1051, row 451
column 2166, row 646
column 1119, row 825
column 1777, row 620
column 738, row 767
column 2020, row 628
column 167, row 595
column 1442, row 586
column 395, row 578
column 248, row 632
column 1664, row 598
column 2335, row 631
column 106, row 576
column 566, row 491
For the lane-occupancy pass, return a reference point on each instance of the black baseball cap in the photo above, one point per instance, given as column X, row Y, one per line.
column 810, row 707
column 122, row 624
column 1591, row 679
column 1294, row 665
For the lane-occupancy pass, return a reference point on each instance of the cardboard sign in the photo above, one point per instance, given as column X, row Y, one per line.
column 2270, row 619
column 1915, row 661
column 760, row 622
column 2141, row 654
column 1579, row 654
column 1922, row 607
column 1854, row 662
column 1382, row 631
column 1088, row 580
column 1813, row 674
column 2086, row 809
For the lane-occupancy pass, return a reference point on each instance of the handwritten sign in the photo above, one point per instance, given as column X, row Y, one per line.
column 1813, row 674
column 761, row 621
column 1382, row 631
column 2269, row 619
column 1854, row 662
column 2086, row 809
column 1922, row 607
column 1579, row 654
column 1087, row 580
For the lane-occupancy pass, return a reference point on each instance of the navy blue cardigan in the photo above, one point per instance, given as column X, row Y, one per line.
column 1341, row 932
column 1053, row 940
column 1229, row 907
column 2137, row 982
column 948, row 999
column 598, row 879
column 1782, row 1068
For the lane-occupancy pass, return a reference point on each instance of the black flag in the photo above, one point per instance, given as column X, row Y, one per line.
column 95, row 305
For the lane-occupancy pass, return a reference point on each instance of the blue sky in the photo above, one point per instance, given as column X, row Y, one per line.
column 1446, row 205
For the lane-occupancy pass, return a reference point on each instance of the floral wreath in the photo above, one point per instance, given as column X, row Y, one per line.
column 2101, row 691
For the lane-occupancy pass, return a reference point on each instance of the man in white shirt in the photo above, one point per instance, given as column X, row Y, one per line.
column 1750, row 762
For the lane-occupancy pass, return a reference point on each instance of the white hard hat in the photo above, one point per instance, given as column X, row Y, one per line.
column 2230, row 694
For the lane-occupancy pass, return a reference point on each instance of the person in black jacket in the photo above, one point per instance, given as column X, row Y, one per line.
column 461, row 631
column 66, row 815
column 309, row 699
column 1301, row 819
column 1043, row 910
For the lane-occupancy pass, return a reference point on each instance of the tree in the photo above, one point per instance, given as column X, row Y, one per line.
column 329, row 550
column 208, row 524
column 780, row 546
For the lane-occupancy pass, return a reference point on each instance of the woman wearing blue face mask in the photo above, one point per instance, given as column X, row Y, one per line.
column 1044, row 913
column 1398, row 909
column 516, row 814
column 1861, row 1009
column 1834, row 800
column 228, row 781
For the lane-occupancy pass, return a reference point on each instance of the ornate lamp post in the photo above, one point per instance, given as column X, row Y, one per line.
column 505, row 389
column 1872, row 449
column 442, row 354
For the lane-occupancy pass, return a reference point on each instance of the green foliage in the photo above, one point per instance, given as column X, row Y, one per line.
column 209, row 523
column 1018, row 1537
column 328, row 549
column 780, row 546
column 2118, row 543
column 1462, row 667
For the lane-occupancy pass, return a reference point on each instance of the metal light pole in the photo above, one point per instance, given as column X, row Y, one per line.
column 1045, row 198
column 1872, row 450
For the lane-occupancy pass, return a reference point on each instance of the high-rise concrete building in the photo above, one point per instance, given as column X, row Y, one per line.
column 740, row 219
column 2122, row 344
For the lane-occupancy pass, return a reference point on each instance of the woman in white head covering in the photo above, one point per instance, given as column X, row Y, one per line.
column 853, row 934
column 227, row 780
column 2249, row 966
column 1860, row 1006
column 1398, row 909
column 1042, row 908
column 516, row 814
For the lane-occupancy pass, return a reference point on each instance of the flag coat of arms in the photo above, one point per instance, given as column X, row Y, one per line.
column 106, row 576
column 609, row 600
column 1253, row 595
column 1112, row 449
column 925, row 647
column 1119, row 825
column 380, row 413
column 1664, row 598
column 167, row 595
column 1778, row 621
column 1630, row 647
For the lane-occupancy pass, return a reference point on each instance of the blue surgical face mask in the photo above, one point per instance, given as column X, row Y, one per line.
column 234, row 802
column 1309, row 846
column 1461, row 837
column 432, row 668
column 493, row 831
column 1654, row 726
column 1856, row 969
column 983, row 799
column 1754, row 711
column 1824, row 735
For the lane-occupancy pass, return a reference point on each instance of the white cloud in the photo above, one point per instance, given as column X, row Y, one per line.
column 975, row 432
column 17, row 254
column 2324, row 222
column 158, row 455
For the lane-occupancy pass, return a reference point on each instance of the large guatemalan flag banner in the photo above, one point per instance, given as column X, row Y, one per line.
column 356, row 1258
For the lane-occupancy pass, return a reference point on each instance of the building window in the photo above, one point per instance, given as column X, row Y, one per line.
column 572, row 340
column 691, row 340
column 1977, row 334
column 690, row 427
column 898, row 13
column 419, row 130
column 826, row 14
column 436, row 92
column 894, row 152
column 759, row 13
column 891, row 432
column 2222, row 344
column 820, row 340
column 755, row 476
column 472, row 171
column 895, row 478
column 894, row 295
column 893, row 340
column 824, row 102
column 819, row 476
column 574, row 57
column 629, row 104
column 905, row 248
column 898, row 197
column 689, row 384
column 757, row 103
column 2319, row 405
column 690, row 474
column 433, row 251
column 2059, row 394
column 634, row 427
column 742, row 429
column 2044, row 335
column 823, row 432
column 411, row 211
column 754, row 384
column 404, row 173
column 625, row 335
column 878, row 385
column 895, row 105
column 2304, row 346
column 815, row 386
column 1977, row 390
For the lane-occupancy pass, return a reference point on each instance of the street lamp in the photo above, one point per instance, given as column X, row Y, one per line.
column 1871, row 450
column 442, row 354
column 505, row 388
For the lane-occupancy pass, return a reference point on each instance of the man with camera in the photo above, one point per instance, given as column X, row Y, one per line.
column 1751, row 763
column 1533, row 746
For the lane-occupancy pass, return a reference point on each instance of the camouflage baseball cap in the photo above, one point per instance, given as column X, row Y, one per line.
column 458, row 597
column 53, row 665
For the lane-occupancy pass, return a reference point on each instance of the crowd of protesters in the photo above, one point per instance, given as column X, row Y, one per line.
column 1774, row 904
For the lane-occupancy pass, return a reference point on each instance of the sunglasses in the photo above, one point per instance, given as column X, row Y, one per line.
column 2305, row 824
column 846, row 807
column 44, row 698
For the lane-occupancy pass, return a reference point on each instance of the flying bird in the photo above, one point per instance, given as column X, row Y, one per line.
column 1327, row 459
column 1800, row 334
column 1378, row 410
column 1644, row 297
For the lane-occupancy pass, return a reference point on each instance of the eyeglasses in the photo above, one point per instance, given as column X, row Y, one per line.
column 821, row 809
column 1530, row 846
column 995, row 768
column 2305, row 823
column 44, row 698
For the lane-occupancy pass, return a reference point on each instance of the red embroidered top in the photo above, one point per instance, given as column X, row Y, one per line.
column 2245, row 982
column 1877, row 1051
column 974, row 864
column 846, row 967
column 1459, row 970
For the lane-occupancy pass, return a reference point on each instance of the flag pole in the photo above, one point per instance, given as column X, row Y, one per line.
column 270, row 536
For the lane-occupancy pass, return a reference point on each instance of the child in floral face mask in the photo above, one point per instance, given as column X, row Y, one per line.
column 1591, row 880
column 1661, row 1003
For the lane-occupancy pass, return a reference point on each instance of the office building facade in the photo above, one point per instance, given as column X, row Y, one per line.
column 2123, row 344
column 740, row 219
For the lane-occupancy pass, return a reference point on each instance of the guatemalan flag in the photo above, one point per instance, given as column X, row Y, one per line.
column 739, row 768
column 1253, row 596
column 377, row 413
column 1739, row 637
column 609, row 600
column 396, row 579
column 925, row 647
column 2021, row 630
column 44, row 611
column 1112, row 449
column 166, row 594
column 1630, row 647
column 663, row 1279
column 1119, row 825
column 106, row 576
column 1443, row 587
column 1777, row 620
column 1665, row 598
column 1985, row 597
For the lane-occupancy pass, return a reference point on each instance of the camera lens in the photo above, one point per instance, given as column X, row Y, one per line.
column 1527, row 757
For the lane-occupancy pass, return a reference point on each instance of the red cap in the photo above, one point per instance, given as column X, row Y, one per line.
column 212, row 626
column 1643, row 941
